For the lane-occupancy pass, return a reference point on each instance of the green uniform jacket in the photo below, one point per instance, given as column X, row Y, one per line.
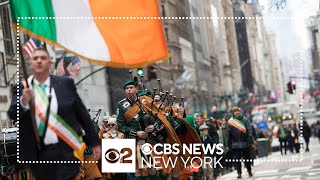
column 132, row 127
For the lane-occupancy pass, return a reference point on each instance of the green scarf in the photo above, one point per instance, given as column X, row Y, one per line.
column 282, row 133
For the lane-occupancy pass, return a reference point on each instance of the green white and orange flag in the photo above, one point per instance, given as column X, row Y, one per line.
column 118, row 33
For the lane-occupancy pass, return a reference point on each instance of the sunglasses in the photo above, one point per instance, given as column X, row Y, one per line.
column 111, row 125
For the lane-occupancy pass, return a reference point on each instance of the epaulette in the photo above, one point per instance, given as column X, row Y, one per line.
column 123, row 100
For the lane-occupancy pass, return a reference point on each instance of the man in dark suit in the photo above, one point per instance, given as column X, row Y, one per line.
column 55, row 100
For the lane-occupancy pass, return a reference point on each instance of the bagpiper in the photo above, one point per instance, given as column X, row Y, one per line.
column 130, row 121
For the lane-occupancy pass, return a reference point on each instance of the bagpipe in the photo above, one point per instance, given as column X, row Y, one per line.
column 164, row 114
column 153, row 111
column 95, row 119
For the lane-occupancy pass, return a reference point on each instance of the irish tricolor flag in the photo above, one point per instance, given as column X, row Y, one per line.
column 118, row 33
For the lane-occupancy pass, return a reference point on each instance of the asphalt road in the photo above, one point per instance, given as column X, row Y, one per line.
column 303, row 165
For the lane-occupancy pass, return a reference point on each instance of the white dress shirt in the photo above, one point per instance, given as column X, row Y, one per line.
column 50, row 137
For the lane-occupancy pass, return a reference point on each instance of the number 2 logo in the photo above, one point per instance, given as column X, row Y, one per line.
column 113, row 155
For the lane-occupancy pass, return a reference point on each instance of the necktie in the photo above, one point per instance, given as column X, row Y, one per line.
column 41, row 124
column 43, row 87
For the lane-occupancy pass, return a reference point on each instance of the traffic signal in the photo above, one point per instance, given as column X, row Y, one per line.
column 289, row 87
column 152, row 72
column 140, row 71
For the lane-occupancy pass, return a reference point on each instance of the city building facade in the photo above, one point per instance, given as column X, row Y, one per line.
column 8, row 63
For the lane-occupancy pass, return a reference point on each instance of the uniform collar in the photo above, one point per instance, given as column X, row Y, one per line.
column 46, row 82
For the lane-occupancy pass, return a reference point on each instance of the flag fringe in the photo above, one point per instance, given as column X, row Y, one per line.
column 92, row 61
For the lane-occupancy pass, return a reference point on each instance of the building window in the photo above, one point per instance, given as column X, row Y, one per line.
column 166, row 33
column 163, row 11
column 198, row 47
column 6, row 30
column 3, row 76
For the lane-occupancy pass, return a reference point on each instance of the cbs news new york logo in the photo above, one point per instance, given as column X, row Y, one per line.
column 118, row 155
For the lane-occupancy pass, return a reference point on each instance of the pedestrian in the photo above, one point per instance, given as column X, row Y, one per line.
column 282, row 135
column 228, row 155
column 104, row 126
column 240, row 140
column 50, row 129
column 253, row 148
column 317, row 132
column 212, row 133
column 207, row 141
column 306, row 134
column 214, row 122
column 293, row 138
column 112, row 132
column 199, row 118
column 223, row 139
column 212, row 130
column 296, row 138
column 290, row 138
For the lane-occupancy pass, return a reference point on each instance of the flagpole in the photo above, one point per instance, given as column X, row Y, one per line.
column 45, row 46
column 89, row 75
column 23, row 64
column 31, row 103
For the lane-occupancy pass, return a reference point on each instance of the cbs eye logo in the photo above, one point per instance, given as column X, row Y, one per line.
column 146, row 149
column 113, row 155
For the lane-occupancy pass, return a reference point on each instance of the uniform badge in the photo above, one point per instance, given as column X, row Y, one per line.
column 126, row 104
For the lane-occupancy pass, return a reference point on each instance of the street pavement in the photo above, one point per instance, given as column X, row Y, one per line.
column 304, row 165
